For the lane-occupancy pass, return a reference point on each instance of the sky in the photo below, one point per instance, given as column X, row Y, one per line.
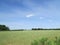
column 27, row 14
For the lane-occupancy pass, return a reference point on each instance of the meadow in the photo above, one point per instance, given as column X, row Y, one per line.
column 25, row 37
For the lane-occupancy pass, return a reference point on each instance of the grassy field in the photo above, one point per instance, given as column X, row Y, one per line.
column 25, row 37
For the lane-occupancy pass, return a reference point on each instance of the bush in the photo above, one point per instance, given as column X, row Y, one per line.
column 47, row 41
column 4, row 28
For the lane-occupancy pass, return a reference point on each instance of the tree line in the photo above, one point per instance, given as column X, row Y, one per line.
column 5, row 28
column 45, row 29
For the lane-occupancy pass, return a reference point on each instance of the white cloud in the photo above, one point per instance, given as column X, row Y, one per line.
column 30, row 15
column 41, row 17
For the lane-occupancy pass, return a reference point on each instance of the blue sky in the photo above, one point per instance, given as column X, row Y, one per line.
column 27, row 14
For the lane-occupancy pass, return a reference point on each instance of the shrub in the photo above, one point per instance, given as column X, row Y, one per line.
column 47, row 41
column 4, row 28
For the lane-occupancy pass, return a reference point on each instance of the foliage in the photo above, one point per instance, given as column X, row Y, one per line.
column 47, row 41
column 3, row 28
column 45, row 29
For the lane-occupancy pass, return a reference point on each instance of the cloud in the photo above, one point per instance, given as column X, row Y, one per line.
column 41, row 17
column 18, row 10
column 30, row 15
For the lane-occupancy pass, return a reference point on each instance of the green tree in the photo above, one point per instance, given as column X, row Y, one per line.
column 4, row 28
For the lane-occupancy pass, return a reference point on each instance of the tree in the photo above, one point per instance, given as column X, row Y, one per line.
column 37, row 29
column 4, row 28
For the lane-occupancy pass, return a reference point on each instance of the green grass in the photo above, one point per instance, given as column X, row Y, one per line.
column 47, row 41
column 25, row 37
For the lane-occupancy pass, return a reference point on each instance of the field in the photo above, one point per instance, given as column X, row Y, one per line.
column 25, row 37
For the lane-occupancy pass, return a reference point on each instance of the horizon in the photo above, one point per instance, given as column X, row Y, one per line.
column 27, row 14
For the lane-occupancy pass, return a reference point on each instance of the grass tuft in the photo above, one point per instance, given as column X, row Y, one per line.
column 47, row 41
